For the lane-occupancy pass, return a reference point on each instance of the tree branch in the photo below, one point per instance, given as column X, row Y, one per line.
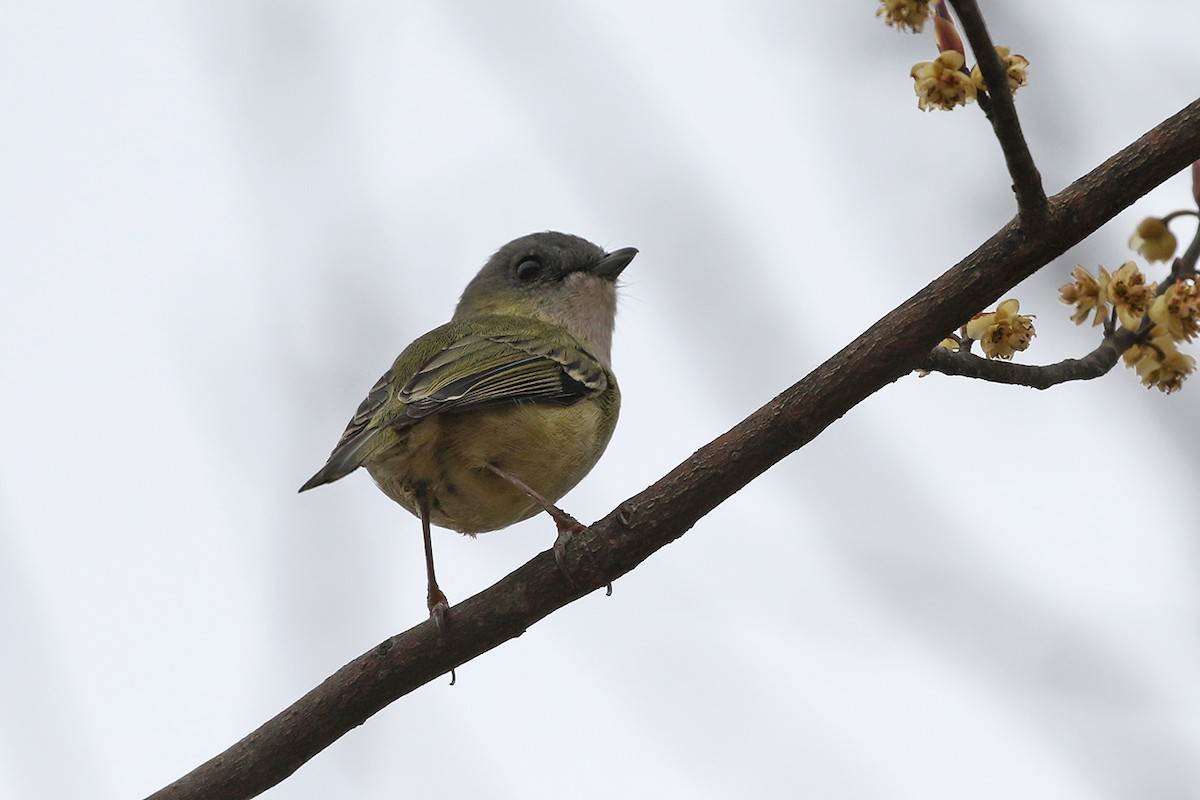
column 968, row 365
column 640, row 526
column 997, row 104
column 1100, row 361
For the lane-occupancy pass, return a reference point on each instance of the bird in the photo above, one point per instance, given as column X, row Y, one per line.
column 491, row 418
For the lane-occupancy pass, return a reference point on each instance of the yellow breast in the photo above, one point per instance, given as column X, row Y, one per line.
column 549, row 447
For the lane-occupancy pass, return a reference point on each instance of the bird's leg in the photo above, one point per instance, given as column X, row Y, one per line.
column 434, row 598
column 567, row 525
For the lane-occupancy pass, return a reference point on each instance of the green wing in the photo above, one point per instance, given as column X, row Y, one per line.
column 468, row 373
column 483, row 371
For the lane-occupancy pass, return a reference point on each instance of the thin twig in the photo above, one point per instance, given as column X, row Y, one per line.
column 968, row 365
column 1027, row 181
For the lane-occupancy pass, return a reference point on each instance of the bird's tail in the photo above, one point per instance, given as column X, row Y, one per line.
column 345, row 458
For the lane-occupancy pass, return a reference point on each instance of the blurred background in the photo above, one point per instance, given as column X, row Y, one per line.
column 221, row 222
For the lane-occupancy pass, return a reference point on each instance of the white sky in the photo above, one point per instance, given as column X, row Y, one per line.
column 221, row 221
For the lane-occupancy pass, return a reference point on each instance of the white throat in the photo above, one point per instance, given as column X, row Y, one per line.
column 586, row 306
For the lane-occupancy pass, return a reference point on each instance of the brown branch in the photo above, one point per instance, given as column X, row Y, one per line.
column 968, row 365
column 964, row 363
column 892, row 347
column 997, row 104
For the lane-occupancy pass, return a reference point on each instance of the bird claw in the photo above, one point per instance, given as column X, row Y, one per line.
column 566, row 529
column 438, row 606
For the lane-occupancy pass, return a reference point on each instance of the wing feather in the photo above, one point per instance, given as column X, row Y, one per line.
column 484, row 371
column 473, row 372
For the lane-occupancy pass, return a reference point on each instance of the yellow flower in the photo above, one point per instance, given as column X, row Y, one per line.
column 1159, row 363
column 904, row 14
column 941, row 83
column 1003, row 331
column 1016, row 66
column 1177, row 310
column 1086, row 294
column 1129, row 293
column 1153, row 240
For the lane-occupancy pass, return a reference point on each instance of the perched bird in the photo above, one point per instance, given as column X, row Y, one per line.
column 494, row 416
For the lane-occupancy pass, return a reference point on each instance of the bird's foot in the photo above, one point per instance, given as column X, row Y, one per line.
column 568, row 526
column 438, row 606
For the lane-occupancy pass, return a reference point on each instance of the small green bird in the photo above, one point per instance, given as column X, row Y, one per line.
column 494, row 416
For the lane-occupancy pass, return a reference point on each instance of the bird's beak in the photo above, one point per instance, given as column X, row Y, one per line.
column 611, row 265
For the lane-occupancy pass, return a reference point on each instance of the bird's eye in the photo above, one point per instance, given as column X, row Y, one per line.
column 529, row 270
